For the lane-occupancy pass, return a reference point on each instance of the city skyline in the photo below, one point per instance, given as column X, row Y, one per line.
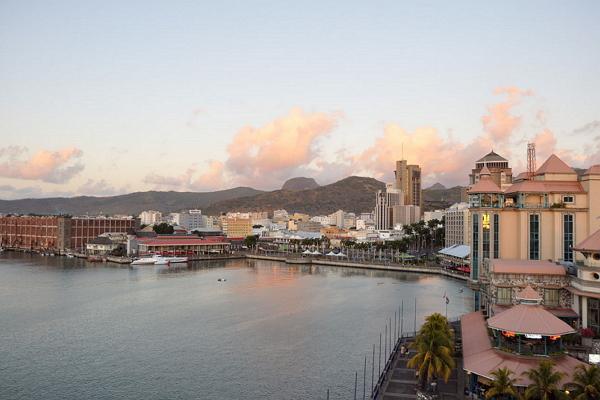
column 203, row 97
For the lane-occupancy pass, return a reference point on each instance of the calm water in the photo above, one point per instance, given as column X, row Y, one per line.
column 71, row 330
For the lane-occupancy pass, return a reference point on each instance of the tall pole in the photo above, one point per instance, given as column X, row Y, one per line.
column 385, row 344
column 395, row 327
column 402, row 319
column 372, row 370
column 379, row 375
column 415, row 321
column 390, row 337
column 355, row 383
column 365, row 379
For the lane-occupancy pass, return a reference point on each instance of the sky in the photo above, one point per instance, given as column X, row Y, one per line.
column 110, row 97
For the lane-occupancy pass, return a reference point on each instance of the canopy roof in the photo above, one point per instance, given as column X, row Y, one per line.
column 591, row 243
column 485, row 184
column 481, row 359
column 457, row 250
column 530, row 319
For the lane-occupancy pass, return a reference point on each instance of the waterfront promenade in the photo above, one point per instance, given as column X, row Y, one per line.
column 323, row 260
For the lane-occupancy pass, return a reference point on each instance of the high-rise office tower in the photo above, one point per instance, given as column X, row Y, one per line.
column 408, row 180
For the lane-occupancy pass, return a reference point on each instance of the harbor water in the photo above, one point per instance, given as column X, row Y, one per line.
column 76, row 330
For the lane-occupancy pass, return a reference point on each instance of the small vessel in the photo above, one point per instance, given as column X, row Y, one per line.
column 144, row 261
column 70, row 255
column 173, row 260
column 221, row 280
column 161, row 261
column 94, row 258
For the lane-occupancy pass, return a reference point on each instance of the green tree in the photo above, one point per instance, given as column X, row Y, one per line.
column 434, row 344
column 545, row 382
column 163, row 229
column 586, row 383
column 250, row 241
column 503, row 385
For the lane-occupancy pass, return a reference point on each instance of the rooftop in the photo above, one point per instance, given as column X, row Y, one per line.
column 593, row 170
column 554, row 165
column 530, row 319
column 481, row 359
column 491, row 156
column 591, row 243
column 526, row 267
column 485, row 184
column 457, row 250
column 527, row 186
column 529, row 293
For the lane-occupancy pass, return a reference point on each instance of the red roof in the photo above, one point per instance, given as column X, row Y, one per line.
column 532, row 319
column 526, row 267
column 554, row 165
column 528, row 293
column 591, row 243
column 481, row 359
column 178, row 242
column 593, row 170
column 485, row 185
column 528, row 186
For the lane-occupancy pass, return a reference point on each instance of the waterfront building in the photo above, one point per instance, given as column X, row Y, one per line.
column 585, row 287
column 101, row 245
column 408, row 181
column 184, row 245
column 534, row 219
column 456, row 225
column 237, row 227
column 498, row 168
column 150, row 217
column 58, row 232
column 517, row 338
column 456, row 256
column 502, row 280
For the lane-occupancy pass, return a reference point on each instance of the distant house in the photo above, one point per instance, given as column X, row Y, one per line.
column 101, row 245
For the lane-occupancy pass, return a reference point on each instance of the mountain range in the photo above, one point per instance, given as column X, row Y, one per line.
column 355, row 194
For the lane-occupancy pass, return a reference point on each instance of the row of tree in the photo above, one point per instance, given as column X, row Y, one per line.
column 434, row 345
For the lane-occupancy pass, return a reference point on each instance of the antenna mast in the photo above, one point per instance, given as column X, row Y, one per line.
column 530, row 160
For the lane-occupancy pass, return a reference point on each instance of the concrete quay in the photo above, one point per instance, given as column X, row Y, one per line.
column 436, row 270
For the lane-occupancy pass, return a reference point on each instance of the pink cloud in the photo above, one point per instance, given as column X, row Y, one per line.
column 48, row 166
column 499, row 123
column 211, row 179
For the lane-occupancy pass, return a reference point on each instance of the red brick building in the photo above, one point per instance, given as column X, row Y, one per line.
column 58, row 232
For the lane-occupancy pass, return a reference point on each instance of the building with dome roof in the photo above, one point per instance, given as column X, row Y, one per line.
column 496, row 165
column 540, row 218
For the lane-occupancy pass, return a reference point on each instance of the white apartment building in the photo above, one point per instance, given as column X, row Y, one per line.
column 437, row 214
column 150, row 217
column 322, row 219
column 456, row 228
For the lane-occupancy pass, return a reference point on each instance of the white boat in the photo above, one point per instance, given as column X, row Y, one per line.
column 144, row 261
column 173, row 260
column 161, row 261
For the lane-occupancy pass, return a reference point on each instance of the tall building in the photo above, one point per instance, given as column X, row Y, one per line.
column 237, row 227
column 456, row 227
column 385, row 201
column 534, row 219
column 408, row 181
column 498, row 168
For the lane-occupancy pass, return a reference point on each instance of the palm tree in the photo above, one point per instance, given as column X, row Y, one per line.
column 503, row 386
column 434, row 345
column 544, row 383
column 586, row 383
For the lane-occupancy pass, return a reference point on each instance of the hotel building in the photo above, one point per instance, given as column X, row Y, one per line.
column 408, row 181
column 535, row 219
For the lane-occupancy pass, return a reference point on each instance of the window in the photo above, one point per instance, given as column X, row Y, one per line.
column 475, row 248
column 569, row 199
column 534, row 237
column 485, row 225
column 504, row 295
column 593, row 314
column 551, row 297
column 496, row 236
column 568, row 237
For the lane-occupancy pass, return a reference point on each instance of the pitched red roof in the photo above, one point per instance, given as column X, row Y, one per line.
column 481, row 359
column 527, row 186
column 528, row 293
column 526, row 267
column 530, row 319
column 593, row 170
column 591, row 243
column 554, row 165
column 485, row 184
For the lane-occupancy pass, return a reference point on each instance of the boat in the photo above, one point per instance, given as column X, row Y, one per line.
column 161, row 261
column 173, row 260
column 70, row 255
column 94, row 258
column 144, row 261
